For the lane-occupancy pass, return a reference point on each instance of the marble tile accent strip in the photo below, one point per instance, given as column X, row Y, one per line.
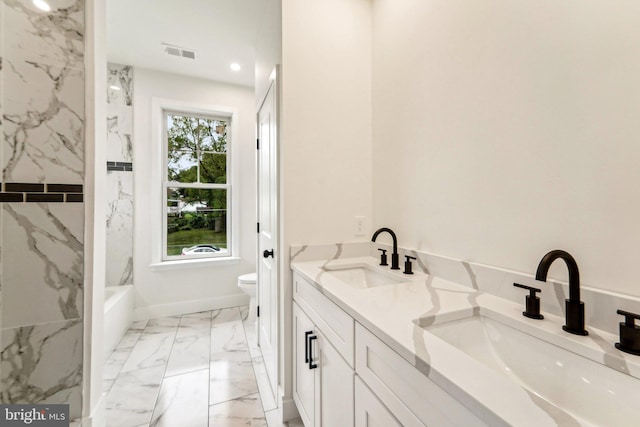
column 19, row 192
column 11, row 197
column 120, row 166
column 23, row 187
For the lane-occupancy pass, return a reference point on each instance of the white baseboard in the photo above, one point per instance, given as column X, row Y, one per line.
column 289, row 409
column 192, row 306
column 97, row 418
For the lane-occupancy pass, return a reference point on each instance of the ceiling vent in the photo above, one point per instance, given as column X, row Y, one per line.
column 179, row 51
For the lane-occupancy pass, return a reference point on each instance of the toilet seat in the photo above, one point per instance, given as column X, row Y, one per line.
column 248, row 279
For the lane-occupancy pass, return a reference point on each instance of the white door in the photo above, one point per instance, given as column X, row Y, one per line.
column 268, row 235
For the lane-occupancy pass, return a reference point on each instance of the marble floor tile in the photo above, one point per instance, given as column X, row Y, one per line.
column 132, row 397
column 231, row 379
column 225, row 315
column 187, row 371
column 198, row 315
column 130, row 338
column 150, row 350
column 115, row 362
column 250, row 333
column 183, row 401
column 242, row 412
column 228, row 336
column 264, row 386
column 139, row 324
column 162, row 325
column 273, row 420
column 191, row 348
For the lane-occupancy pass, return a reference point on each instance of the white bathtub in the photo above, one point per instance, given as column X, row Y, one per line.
column 118, row 315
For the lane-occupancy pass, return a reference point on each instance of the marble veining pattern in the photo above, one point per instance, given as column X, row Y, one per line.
column 183, row 401
column 56, row 37
column 119, row 268
column 42, row 126
column 221, row 392
column 119, row 259
column 119, row 113
column 456, row 289
column 43, row 122
column 43, row 273
column 42, row 364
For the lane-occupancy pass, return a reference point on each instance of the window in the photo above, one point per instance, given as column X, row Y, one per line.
column 196, row 186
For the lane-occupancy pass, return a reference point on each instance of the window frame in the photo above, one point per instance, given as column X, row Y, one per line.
column 159, row 172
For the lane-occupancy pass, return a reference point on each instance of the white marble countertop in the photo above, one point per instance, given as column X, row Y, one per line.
column 390, row 311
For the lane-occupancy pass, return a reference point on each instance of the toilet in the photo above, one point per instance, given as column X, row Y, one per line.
column 247, row 282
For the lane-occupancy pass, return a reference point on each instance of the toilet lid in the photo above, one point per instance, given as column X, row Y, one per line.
column 248, row 278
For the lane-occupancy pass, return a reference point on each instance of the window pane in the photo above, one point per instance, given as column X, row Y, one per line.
column 213, row 168
column 196, row 221
column 196, row 149
column 182, row 166
column 216, row 136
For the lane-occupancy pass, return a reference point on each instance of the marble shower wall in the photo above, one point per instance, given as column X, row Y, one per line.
column 41, row 211
column 119, row 263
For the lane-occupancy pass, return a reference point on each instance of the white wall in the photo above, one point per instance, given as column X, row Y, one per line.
column 504, row 130
column 326, row 107
column 325, row 133
column 268, row 47
column 166, row 291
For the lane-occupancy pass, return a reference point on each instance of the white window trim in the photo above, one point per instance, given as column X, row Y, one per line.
column 158, row 163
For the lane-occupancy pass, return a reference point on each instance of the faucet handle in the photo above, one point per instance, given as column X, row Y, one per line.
column 407, row 264
column 532, row 302
column 383, row 257
column 629, row 333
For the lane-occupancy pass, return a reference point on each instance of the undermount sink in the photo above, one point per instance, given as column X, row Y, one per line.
column 362, row 275
column 589, row 391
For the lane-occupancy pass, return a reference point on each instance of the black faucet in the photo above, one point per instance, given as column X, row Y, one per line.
column 395, row 259
column 574, row 308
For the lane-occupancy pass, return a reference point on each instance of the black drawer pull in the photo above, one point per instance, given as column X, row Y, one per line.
column 306, row 346
column 311, row 364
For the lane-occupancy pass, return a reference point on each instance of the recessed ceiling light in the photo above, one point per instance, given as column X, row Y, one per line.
column 42, row 5
column 114, row 87
column 235, row 66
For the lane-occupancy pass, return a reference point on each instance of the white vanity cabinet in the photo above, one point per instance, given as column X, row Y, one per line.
column 330, row 348
column 323, row 381
column 370, row 412
column 412, row 398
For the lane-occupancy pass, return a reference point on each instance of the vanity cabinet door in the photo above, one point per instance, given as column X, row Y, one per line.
column 336, row 386
column 323, row 382
column 370, row 412
column 304, row 378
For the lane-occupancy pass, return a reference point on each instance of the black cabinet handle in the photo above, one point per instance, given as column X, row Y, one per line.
column 306, row 346
column 311, row 364
column 267, row 254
